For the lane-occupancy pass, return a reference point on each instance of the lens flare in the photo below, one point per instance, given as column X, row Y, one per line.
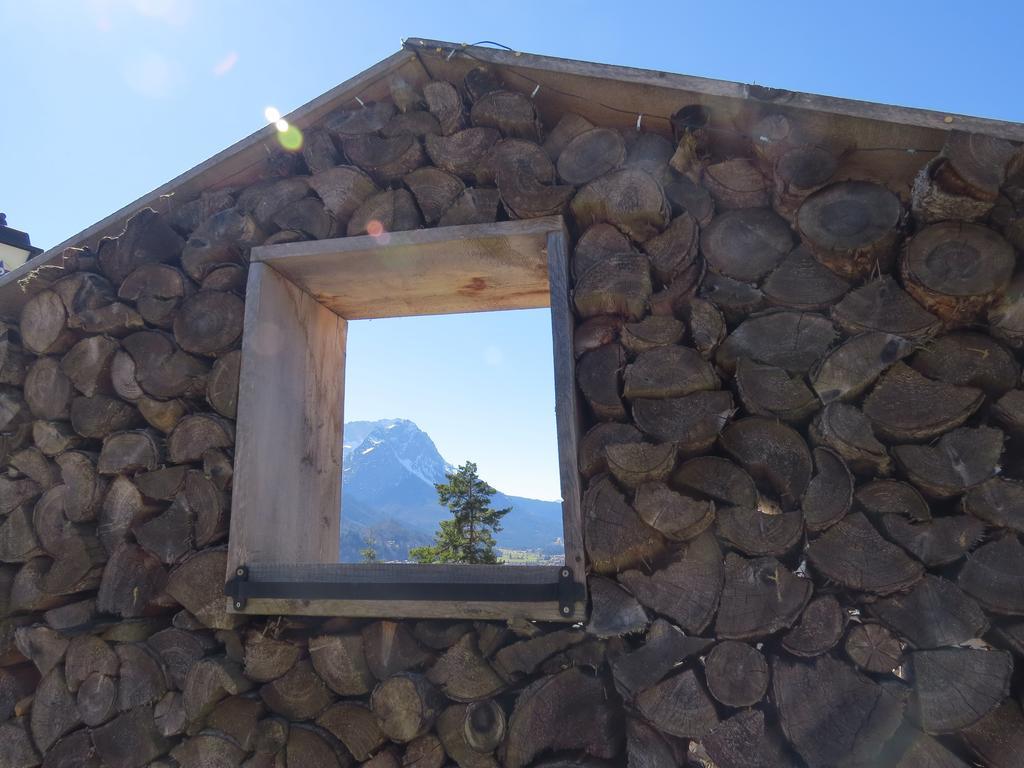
column 272, row 114
column 290, row 138
column 281, row 125
column 374, row 228
column 226, row 64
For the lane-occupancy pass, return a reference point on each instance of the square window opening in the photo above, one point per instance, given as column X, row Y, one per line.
column 285, row 549
column 427, row 396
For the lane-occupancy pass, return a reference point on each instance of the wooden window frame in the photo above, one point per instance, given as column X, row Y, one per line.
column 283, row 545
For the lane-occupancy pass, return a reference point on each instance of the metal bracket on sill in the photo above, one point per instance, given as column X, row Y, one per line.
column 566, row 591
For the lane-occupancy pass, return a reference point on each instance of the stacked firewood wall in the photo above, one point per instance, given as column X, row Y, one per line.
column 802, row 514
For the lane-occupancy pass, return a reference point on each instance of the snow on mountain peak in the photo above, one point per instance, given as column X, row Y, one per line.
column 386, row 445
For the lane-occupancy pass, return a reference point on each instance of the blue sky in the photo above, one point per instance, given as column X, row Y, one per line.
column 480, row 385
column 105, row 100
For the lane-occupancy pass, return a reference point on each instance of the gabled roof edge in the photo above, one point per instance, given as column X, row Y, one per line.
column 702, row 86
column 248, row 154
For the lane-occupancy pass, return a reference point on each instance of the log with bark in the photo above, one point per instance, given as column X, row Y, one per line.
column 766, row 390
column 774, row 454
column 853, row 554
column 882, row 305
column 873, row 648
column 851, row 227
column 793, row 341
column 800, row 282
column 992, row 576
column 591, row 154
column 746, row 244
column 666, row 647
column 819, row 630
column 799, row 172
column 406, row 706
column 510, row 112
column 905, row 406
column 957, row 270
column 390, row 211
column 1006, row 316
column 736, row 300
column 613, row 611
column 635, row 464
column 736, row 183
column 737, row 674
column 385, row 160
column 567, row 711
column 961, row 459
column 845, row 429
column 933, row 614
column 618, row 285
column 981, row 677
column 461, row 153
column 631, row 200
column 687, row 588
column 692, row 422
column 342, row 189
column 524, row 196
column 673, row 253
column 831, row 714
column 668, row 371
column 445, row 104
column 674, row 515
column 613, row 533
column 829, row 494
column 652, row 333
column 679, row 706
column 998, row 738
column 963, row 181
column 853, row 366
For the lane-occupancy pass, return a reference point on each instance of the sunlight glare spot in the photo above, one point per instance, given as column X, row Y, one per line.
column 281, row 124
column 290, row 138
column 226, row 64
column 374, row 228
column 272, row 114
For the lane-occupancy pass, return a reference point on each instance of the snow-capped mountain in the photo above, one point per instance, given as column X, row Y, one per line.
column 388, row 496
column 382, row 445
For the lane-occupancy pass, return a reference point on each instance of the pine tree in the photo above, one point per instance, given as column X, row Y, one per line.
column 369, row 552
column 469, row 536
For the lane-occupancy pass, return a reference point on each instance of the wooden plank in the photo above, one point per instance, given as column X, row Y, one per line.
column 408, row 609
column 385, row 573
column 241, row 163
column 567, row 412
column 445, row 270
column 648, row 89
column 287, row 489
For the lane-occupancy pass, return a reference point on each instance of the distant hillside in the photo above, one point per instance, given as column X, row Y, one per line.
column 388, row 496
